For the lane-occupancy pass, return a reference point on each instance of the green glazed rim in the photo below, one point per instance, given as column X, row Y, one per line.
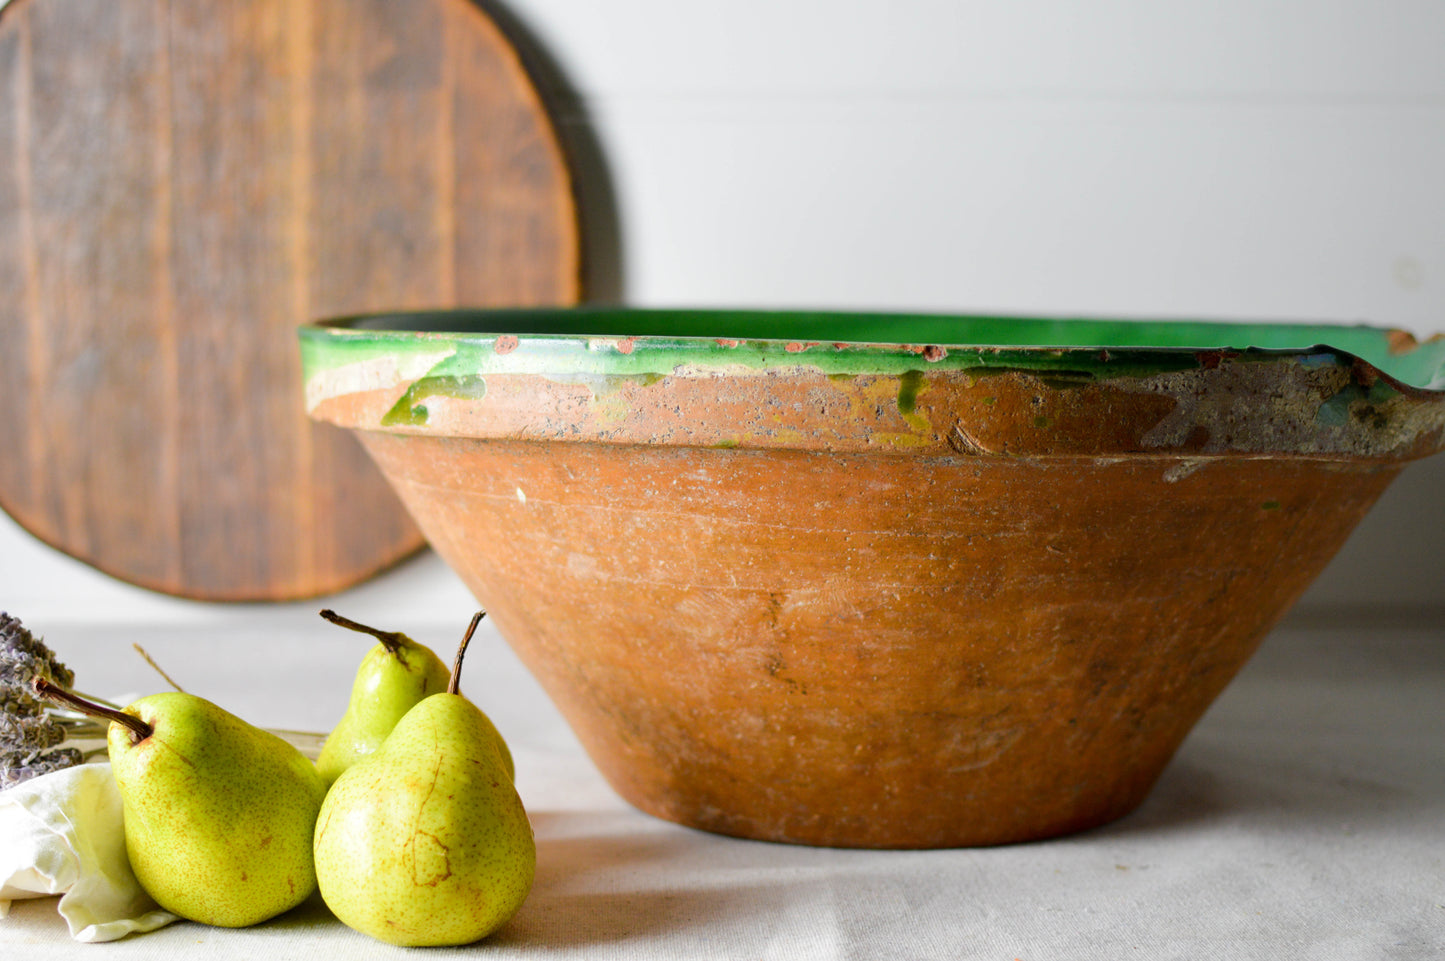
column 630, row 342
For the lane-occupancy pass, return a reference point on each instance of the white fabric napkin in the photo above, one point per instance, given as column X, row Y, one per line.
column 62, row 833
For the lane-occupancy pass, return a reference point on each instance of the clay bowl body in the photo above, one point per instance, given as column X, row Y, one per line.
column 879, row 580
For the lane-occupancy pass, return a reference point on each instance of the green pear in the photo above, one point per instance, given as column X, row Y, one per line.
column 396, row 675
column 425, row 841
column 219, row 815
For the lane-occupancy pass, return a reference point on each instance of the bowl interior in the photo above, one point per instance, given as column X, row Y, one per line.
column 1393, row 352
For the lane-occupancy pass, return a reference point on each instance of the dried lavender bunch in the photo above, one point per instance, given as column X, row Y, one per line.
column 16, row 768
column 35, row 730
column 23, row 655
column 29, row 727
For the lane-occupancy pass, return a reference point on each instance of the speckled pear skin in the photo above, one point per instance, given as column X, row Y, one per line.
column 387, row 685
column 219, row 815
column 425, row 842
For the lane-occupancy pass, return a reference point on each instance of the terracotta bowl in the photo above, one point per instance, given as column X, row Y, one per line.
column 894, row 581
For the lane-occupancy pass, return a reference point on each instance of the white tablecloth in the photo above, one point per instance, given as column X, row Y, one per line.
column 1304, row 818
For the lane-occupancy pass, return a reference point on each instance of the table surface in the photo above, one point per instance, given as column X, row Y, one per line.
column 1303, row 818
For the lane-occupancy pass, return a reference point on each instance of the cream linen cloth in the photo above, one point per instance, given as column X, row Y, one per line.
column 1303, row 820
column 62, row 833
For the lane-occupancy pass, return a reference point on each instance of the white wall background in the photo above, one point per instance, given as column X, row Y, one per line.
column 1250, row 159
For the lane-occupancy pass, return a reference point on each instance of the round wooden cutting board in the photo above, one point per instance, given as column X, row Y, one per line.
column 184, row 182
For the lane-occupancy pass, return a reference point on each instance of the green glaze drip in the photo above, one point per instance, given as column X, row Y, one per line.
column 410, row 411
column 1335, row 412
column 909, row 383
column 1270, row 505
column 619, row 381
column 1357, row 402
column 1064, row 380
column 404, row 414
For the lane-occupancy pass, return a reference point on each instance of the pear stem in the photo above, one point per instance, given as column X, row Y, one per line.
column 139, row 729
column 454, row 685
column 391, row 640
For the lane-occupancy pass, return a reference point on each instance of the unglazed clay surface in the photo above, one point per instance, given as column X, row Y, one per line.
column 917, row 596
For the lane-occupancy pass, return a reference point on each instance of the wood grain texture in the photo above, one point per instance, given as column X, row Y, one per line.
column 181, row 185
